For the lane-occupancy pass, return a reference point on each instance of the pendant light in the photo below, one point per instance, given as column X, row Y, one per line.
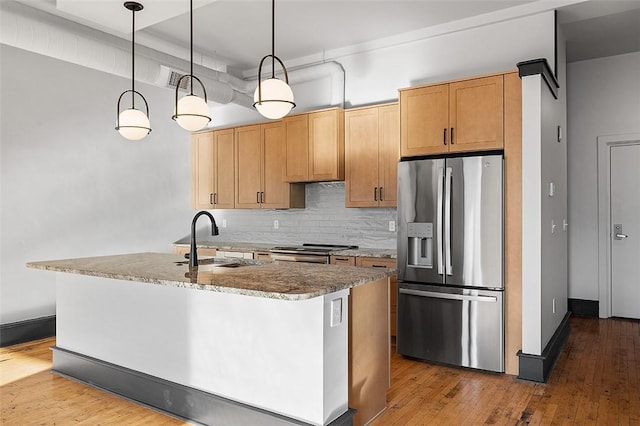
column 132, row 123
column 273, row 97
column 191, row 112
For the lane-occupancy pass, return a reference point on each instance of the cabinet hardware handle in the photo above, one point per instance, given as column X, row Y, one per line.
column 452, row 136
column 381, row 194
column 258, row 197
column 444, row 136
column 262, row 197
column 375, row 194
column 344, row 259
column 378, row 266
column 215, row 198
column 211, row 199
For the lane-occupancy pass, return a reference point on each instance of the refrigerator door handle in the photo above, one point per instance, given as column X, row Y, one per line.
column 440, row 253
column 438, row 295
column 447, row 221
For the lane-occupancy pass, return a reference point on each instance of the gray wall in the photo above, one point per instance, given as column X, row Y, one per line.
column 603, row 99
column 70, row 185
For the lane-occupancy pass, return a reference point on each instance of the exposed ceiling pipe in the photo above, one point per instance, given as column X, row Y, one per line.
column 30, row 29
column 331, row 69
column 40, row 32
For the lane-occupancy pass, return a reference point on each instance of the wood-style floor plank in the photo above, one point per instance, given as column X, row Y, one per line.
column 596, row 381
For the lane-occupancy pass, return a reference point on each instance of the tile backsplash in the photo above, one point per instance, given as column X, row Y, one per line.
column 324, row 220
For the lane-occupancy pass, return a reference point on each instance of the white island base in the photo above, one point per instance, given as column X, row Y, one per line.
column 179, row 349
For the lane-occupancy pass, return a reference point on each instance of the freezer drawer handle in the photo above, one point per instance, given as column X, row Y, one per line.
column 438, row 295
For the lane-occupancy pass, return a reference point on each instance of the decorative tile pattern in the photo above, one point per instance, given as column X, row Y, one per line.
column 324, row 220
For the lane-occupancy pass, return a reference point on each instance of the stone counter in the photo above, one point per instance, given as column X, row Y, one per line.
column 286, row 280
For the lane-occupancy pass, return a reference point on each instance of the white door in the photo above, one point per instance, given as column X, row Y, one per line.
column 625, row 231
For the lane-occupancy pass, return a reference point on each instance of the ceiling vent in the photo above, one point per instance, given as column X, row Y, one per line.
column 169, row 78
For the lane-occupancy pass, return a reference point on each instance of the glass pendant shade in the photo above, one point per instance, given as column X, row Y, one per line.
column 133, row 124
column 192, row 113
column 276, row 99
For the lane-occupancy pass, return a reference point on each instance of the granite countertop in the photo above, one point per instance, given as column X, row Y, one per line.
column 286, row 280
column 242, row 246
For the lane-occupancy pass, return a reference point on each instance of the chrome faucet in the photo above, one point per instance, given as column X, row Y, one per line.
column 193, row 253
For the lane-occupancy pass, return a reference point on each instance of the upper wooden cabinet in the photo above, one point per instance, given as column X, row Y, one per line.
column 372, row 145
column 460, row 116
column 314, row 146
column 212, row 170
column 259, row 150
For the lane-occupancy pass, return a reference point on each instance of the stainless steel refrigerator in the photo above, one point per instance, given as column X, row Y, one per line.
column 450, row 261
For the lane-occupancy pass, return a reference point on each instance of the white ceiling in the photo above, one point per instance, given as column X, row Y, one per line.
column 237, row 33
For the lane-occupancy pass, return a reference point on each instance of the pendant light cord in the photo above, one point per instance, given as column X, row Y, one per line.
column 273, row 38
column 133, row 59
column 191, row 31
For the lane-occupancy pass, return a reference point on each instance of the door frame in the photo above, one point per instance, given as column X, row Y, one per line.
column 605, row 143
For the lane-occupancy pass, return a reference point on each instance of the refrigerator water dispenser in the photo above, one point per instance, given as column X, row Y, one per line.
column 419, row 244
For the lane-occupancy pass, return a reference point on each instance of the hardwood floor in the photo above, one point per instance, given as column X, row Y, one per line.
column 596, row 381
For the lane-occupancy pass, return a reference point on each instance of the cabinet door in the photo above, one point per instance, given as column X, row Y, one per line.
column 224, row 176
column 326, row 145
column 248, row 143
column 202, row 170
column 296, row 129
column 373, row 262
column 424, row 120
column 388, row 155
column 361, row 157
column 476, row 114
column 275, row 192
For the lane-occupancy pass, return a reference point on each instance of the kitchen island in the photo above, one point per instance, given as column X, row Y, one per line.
column 229, row 342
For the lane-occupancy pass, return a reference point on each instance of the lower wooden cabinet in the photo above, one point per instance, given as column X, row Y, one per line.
column 262, row 255
column 369, row 350
column 180, row 249
column 342, row 260
column 375, row 262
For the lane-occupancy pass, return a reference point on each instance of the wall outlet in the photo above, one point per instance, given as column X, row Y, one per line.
column 224, row 223
column 336, row 312
column 276, row 224
column 392, row 226
column 553, row 305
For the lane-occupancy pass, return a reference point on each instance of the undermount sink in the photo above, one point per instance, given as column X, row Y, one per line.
column 222, row 262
